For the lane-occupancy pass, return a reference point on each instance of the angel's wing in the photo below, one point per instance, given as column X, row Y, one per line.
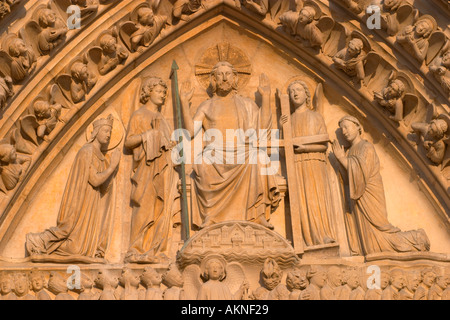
column 374, row 66
column 25, row 137
column 64, row 82
column 235, row 277
column 5, row 64
column 325, row 25
column 337, row 40
column 56, row 96
column 30, row 34
column 410, row 103
column 318, row 100
column 192, row 281
column 437, row 41
column 125, row 32
column 60, row 6
column 93, row 58
column 405, row 15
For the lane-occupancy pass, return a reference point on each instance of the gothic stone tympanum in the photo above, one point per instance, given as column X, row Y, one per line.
column 150, row 150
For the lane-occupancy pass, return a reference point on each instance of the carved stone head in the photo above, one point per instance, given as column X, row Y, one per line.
column 57, row 284
column 224, row 78
column 423, row 28
column 355, row 47
column 106, row 279
column 150, row 277
column 37, row 280
column 351, row 128
column 145, row 16
column 317, row 276
column 398, row 280
column 173, row 277
column 7, row 153
column 6, row 283
column 428, row 277
column 21, row 284
column 306, row 15
column 395, row 90
column 154, row 89
column 271, row 274
column 296, row 280
column 47, row 18
column 108, row 43
column 128, row 277
column 413, row 280
column 334, row 276
column 79, row 71
column 446, row 59
column 438, row 128
column 299, row 94
column 17, row 47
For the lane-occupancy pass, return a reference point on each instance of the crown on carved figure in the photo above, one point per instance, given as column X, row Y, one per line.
column 104, row 122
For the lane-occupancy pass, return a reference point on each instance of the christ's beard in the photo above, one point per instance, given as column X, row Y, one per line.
column 224, row 87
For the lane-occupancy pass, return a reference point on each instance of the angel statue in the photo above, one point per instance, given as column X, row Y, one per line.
column 397, row 14
column 310, row 141
column 6, row 90
column 34, row 128
column 143, row 28
column 221, row 280
column 87, row 7
column 12, row 167
column 45, row 31
column 352, row 59
column 17, row 59
column 441, row 69
column 435, row 137
column 416, row 38
column 107, row 54
column 78, row 80
column 308, row 24
column 398, row 97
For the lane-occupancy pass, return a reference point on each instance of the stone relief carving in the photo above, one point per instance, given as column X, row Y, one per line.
column 45, row 31
column 13, row 167
column 441, row 69
column 87, row 7
column 86, row 291
column 413, row 280
column 375, row 293
column 52, row 115
column 129, row 282
column 173, row 280
column 78, row 80
column 272, row 289
column 398, row 97
column 334, row 281
column 154, row 179
column 7, row 286
column 107, row 282
column 5, row 7
column 58, row 286
column 144, row 27
column 271, row 9
column 310, row 140
column 39, row 284
column 415, row 37
column 213, row 183
column 397, row 14
column 434, row 137
column 375, row 232
column 296, row 283
column 17, row 59
column 182, row 9
column 428, row 279
column 151, row 280
column 108, row 53
column 353, row 58
column 34, row 128
column 22, row 287
column 6, row 90
column 308, row 24
column 83, row 230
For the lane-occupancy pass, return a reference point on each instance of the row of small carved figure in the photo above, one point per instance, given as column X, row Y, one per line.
column 304, row 283
column 419, row 34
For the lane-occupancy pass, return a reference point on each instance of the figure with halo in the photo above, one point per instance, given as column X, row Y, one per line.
column 228, row 189
column 85, row 216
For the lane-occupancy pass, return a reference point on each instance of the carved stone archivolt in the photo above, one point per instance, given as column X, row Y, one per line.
column 355, row 123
